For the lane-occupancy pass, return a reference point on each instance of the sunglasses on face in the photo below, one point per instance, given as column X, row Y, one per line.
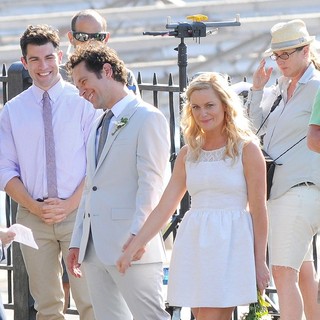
column 83, row 36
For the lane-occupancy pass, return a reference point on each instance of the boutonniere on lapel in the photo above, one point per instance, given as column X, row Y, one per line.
column 120, row 124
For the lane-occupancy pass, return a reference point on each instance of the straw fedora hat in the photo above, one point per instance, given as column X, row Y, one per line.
column 289, row 35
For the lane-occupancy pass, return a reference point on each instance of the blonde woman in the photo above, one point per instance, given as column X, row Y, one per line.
column 219, row 255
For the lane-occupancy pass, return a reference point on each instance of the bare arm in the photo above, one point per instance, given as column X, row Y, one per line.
column 168, row 203
column 70, row 204
column 74, row 200
column 52, row 210
column 313, row 138
column 17, row 191
column 255, row 175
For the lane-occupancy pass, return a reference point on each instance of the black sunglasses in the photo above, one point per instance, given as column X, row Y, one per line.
column 83, row 36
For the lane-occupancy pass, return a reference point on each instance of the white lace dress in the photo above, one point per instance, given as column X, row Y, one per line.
column 212, row 263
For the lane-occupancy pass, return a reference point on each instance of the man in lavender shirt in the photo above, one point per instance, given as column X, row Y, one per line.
column 23, row 173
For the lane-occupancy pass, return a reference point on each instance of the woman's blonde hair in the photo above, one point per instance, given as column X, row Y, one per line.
column 236, row 124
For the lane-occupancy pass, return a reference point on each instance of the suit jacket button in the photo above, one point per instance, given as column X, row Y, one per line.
column 94, row 188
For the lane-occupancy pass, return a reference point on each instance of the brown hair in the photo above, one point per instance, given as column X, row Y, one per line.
column 39, row 35
column 95, row 54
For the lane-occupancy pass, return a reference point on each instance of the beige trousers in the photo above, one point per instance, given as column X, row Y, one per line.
column 45, row 270
column 136, row 295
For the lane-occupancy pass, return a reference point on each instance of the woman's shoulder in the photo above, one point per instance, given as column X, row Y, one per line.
column 183, row 154
column 184, row 151
column 250, row 146
column 251, row 151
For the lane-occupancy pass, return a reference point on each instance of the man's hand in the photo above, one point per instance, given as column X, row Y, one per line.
column 72, row 262
column 52, row 210
column 6, row 236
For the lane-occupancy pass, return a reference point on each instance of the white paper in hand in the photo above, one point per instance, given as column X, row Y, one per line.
column 24, row 235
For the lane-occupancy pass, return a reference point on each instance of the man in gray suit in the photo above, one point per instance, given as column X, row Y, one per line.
column 122, row 186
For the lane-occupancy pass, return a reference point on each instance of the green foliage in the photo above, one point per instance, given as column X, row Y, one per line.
column 257, row 310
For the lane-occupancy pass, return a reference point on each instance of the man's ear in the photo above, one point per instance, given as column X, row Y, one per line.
column 60, row 55
column 107, row 70
column 24, row 62
column 107, row 38
column 70, row 37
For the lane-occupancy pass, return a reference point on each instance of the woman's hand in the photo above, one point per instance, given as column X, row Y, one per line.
column 263, row 276
column 261, row 76
column 124, row 262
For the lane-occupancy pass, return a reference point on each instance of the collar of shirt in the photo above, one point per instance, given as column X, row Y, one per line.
column 305, row 78
column 54, row 92
column 118, row 108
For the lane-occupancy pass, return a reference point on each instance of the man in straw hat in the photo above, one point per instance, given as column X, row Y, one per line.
column 293, row 205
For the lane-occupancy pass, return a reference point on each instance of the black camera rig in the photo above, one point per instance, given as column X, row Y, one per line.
column 196, row 29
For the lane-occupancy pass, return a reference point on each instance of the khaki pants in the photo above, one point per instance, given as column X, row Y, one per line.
column 45, row 270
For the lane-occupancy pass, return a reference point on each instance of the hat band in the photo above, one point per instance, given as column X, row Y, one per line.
column 288, row 44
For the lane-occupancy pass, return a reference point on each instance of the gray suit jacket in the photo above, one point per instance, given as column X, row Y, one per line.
column 125, row 185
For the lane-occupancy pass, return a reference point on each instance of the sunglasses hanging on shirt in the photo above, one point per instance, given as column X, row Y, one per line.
column 83, row 36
